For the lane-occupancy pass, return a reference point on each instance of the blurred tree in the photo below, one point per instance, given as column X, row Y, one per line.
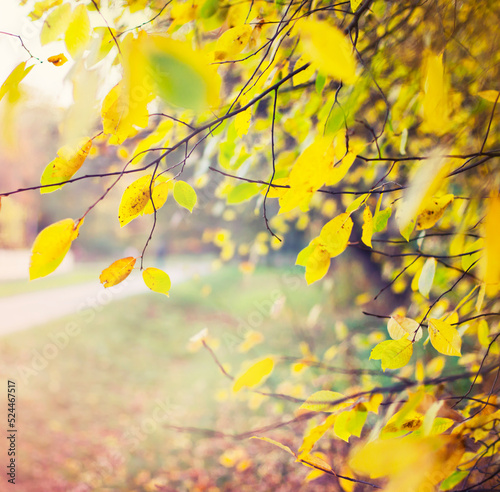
column 368, row 125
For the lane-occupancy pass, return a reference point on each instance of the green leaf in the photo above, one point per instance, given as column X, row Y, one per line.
column 320, row 83
column 209, row 8
column 182, row 76
column 242, row 193
column 357, row 203
column 454, row 479
column 185, row 195
column 393, row 353
column 380, row 219
column 178, row 83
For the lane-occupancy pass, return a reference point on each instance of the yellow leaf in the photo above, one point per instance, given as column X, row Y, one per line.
column 232, row 42
column 10, row 86
column 157, row 280
column 51, row 245
column 138, row 81
column 185, row 195
column 242, row 122
column 41, row 7
column 358, row 202
column 255, row 375
column 366, row 237
column 182, row 13
column 410, row 464
column 318, row 38
column 316, row 433
column 483, row 332
column 355, row 4
column 323, row 401
column 252, row 338
column 350, row 423
column 276, row 443
column 402, row 423
column 158, row 197
column 425, row 181
column 57, row 60
column 435, row 100
column 432, row 211
column 393, row 353
column 134, row 199
column 117, row 272
column 55, row 24
column 374, row 403
column 307, row 175
column 491, row 96
column 338, row 170
column 64, row 166
column 124, row 109
column 491, row 262
column 335, row 234
column 444, row 337
column 305, row 75
column 105, row 46
column 78, row 32
column 390, row 457
column 276, row 191
column 120, row 120
column 313, row 475
column 400, row 327
column 316, row 259
column 314, row 462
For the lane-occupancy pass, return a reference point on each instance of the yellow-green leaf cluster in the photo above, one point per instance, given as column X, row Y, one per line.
column 332, row 241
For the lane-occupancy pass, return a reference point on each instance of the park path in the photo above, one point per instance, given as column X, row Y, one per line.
column 23, row 311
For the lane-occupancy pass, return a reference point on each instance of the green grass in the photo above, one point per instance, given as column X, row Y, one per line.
column 132, row 358
column 133, row 353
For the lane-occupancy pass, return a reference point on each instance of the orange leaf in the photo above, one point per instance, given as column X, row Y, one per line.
column 57, row 60
column 117, row 272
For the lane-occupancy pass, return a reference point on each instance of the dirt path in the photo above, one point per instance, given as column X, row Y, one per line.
column 25, row 311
